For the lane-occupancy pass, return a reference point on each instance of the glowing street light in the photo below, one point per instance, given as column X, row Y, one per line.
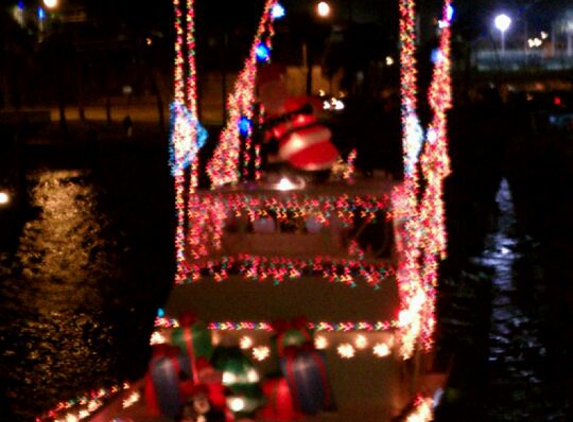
column 502, row 22
column 323, row 9
column 51, row 4
column 4, row 198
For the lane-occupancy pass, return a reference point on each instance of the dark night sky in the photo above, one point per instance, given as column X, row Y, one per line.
column 474, row 14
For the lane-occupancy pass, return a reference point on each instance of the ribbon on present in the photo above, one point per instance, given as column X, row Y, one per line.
column 213, row 380
column 295, row 332
column 305, row 372
column 280, row 405
column 194, row 340
column 163, row 380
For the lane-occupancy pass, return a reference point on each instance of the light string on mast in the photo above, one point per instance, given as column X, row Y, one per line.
column 419, row 214
column 187, row 135
column 435, row 165
column 405, row 198
column 223, row 167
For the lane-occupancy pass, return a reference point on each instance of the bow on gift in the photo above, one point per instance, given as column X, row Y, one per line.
column 194, row 340
column 295, row 332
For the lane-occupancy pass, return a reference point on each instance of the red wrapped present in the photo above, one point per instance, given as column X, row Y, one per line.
column 279, row 404
column 213, row 381
column 193, row 338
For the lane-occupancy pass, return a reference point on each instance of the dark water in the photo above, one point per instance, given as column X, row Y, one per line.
column 94, row 262
column 505, row 311
column 81, row 288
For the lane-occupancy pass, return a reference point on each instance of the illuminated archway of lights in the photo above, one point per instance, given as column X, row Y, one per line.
column 223, row 167
column 419, row 211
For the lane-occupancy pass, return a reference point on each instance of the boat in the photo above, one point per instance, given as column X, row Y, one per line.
column 348, row 264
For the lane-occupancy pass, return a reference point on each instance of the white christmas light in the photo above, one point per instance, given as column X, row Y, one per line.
column 157, row 338
column 320, row 343
column 245, row 342
column 361, row 342
column 260, row 353
column 131, row 400
column 71, row 418
column 229, row 378
column 236, row 404
column 381, row 350
column 82, row 414
column 346, row 351
column 252, row 376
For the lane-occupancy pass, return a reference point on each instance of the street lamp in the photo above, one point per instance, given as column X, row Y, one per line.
column 51, row 4
column 502, row 22
column 323, row 9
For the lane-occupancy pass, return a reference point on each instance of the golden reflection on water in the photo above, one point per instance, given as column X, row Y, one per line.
column 60, row 249
column 58, row 340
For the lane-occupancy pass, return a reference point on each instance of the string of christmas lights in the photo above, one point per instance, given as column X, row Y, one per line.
column 280, row 268
column 187, row 135
column 405, row 197
column 419, row 214
column 422, row 411
column 208, row 212
column 317, row 326
column 294, row 205
column 223, row 167
column 435, row 166
column 83, row 406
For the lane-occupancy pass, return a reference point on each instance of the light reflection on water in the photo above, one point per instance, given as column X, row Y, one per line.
column 500, row 302
column 81, row 289
column 62, row 250
column 57, row 340
column 518, row 387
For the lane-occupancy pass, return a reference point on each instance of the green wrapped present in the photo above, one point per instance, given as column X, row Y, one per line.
column 193, row 338
column 241, row 378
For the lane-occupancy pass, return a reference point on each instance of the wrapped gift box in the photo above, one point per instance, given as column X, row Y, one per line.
column 305, row 372
column 168, row 369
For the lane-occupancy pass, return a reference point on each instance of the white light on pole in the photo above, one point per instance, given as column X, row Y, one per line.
column 323, row 9
column 502, row 22
column 51, row 4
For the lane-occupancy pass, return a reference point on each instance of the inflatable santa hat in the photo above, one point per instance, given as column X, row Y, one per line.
column 303, row 142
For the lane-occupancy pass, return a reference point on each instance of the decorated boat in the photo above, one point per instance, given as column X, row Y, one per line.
column 306, row 291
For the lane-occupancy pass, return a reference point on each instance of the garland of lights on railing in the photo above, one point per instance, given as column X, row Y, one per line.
column 278, row 269
column 208, row 212
column 318, row 326
column 420, row 213
column 346, row 349
column 223, row 167
column 86, row 405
